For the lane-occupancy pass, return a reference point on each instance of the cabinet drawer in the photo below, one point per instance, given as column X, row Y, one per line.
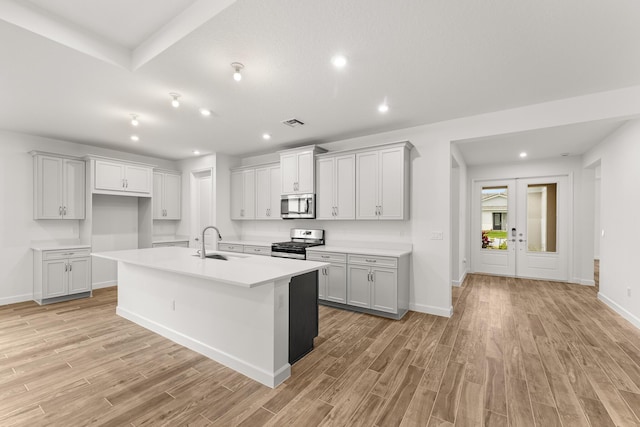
column 228, row 247
column 257, row 250
column 326, row 257
column 374, row 261
column 69, row 253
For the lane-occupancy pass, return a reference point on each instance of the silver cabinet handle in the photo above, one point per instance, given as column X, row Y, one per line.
column 370, row 260
column 66, row 267
column 373, row 277
column 70, row 267
column 325, row 256
column 256, row 250
column 380, row 210
column 64, row 210
column 369, row 277
column 60, row 210
column 126, row 181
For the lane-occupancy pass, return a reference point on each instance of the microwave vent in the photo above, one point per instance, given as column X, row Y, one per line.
column 293, row 122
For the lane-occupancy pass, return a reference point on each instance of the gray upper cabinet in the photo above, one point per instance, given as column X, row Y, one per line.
column 59, row 187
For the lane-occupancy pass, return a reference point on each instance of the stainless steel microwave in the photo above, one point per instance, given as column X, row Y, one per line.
column 298, row 206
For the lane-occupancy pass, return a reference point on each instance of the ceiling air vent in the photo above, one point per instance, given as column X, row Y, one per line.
column 292, row 123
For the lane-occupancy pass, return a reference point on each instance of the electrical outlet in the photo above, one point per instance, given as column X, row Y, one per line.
column 173, row 305
column 628, row 292
column 280, row 301
column 437, row 235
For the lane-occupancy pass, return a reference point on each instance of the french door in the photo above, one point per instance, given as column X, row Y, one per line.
column 520, row 227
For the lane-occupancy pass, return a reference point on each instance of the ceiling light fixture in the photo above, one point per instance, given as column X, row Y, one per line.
column 134, row 120
column 205, row 112
column 174, row 102
column 523, row 155
column 266, row 136
column 383, row 108
column 339, row 61
column 196, row 152
column 135, row 138
column 237, row 66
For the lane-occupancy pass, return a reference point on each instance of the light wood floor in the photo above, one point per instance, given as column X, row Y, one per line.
column 516, row 352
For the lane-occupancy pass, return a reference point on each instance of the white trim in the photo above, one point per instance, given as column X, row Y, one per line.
column 429, row 309
column 16, row 299
column 260, row 375
column 107, row 284
column 618, row 309
column 460, row 281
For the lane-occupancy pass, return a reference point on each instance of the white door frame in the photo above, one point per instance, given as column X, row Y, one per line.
column 476, row 218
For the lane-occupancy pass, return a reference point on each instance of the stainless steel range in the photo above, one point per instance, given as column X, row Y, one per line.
column 301, row 239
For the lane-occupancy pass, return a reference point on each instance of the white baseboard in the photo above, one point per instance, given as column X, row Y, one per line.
column 16, row 299
column 258, row 374
column 429, row 309
column 460, row 280
column 106, row 284
column 618, row 309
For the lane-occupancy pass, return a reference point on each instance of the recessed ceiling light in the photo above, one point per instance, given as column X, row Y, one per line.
column 196, row 152
column 266, row 136
column 135, row 138
column 383, row 108
column 205, row 112
column 523, row 154
column 339, row 61
column 237, row 66
column 174, row 102
column 134, row 120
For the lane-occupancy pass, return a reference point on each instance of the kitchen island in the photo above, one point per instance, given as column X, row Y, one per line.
column 234, row 311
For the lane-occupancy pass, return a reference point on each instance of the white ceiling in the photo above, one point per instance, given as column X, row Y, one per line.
column 78, row 74
column 540, row 144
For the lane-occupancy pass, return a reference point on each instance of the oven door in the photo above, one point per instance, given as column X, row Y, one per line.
column 297, row 206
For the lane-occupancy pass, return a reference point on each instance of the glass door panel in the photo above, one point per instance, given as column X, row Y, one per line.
column 542, row 217
column 494, row 216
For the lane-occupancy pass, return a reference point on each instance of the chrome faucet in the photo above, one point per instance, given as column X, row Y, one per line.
column 203, row 254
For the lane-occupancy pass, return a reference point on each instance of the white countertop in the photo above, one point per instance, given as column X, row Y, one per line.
column 248, row 242
column 170, row 240
column 55, row 247
column 361, row 251
column 240, row 270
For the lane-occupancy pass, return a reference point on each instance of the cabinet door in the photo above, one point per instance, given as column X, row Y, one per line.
column 391, row 184
column 359, row 287
column 79, row 275
column 49, row 187
column 249, row 194
column 138, row 179
column 237, row 194
column 158, row 187
column 109, row 176
column 323, row 279
column 54, row 278
column 288, row 173
column 74, row 193
column 345, row 187
column 384, row 290
column 325, row 200
column 274, row 193
column 337, row 283
column 172, row 196
column 263, row 193
column 367, row 185
column 305, row 172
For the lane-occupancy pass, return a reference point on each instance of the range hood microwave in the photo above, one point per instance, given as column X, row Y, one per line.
column 298, row 206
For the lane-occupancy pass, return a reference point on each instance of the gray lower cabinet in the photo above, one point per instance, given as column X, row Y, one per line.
column 374, row 284
column 61, row 275
column 247, row 249
column 179, row 244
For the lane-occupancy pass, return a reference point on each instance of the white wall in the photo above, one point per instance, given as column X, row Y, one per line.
column 459, row 218
column 619, row 206
column 596, row 213
column 17, row 227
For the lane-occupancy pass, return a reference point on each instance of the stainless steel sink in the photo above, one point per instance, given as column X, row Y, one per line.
column 215, row 256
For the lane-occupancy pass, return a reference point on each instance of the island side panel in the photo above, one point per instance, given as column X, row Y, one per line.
column 245, row 329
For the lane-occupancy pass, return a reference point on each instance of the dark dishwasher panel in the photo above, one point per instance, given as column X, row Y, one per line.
column 303, row 314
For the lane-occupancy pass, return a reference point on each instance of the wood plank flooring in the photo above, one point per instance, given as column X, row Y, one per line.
column 516, row 352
